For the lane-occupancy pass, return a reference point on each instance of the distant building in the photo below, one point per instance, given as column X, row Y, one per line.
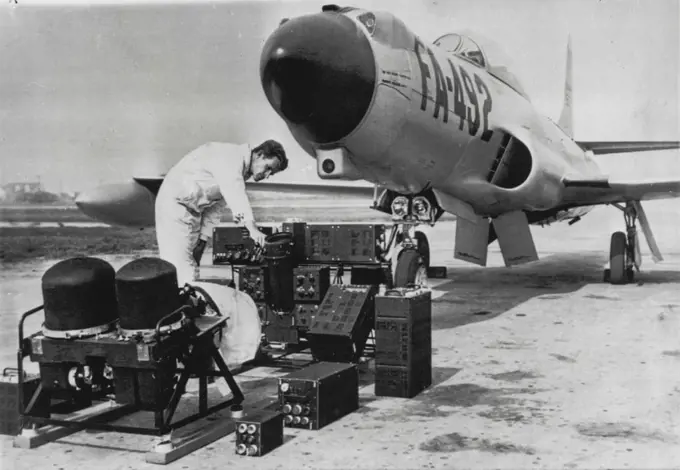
column 18, row 191
column 23, row 188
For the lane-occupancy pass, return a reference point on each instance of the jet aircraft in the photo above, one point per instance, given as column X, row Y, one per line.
column 440, row 127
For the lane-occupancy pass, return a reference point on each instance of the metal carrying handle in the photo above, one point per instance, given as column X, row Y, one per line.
column 393, row 293
column 399, row 293
column 169, row 315
column 209, row 300
column 20, row 358
column 23, row 319
column 10, row 369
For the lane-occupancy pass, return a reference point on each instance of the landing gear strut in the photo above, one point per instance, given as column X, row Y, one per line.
column 624, row 251
column 413, row 259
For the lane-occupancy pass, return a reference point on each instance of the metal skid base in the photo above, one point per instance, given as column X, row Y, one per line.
column 37, row 430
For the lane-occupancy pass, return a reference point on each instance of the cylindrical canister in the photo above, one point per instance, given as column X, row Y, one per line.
column 278, row 272
column 79, row 298
column 147, row 290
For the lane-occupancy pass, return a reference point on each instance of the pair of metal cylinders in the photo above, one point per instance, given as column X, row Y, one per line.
column 84, row 296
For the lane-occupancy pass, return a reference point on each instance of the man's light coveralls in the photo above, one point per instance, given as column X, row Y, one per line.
column 192, row 198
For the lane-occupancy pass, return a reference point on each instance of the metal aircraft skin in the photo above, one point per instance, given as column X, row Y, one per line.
column 446, row 125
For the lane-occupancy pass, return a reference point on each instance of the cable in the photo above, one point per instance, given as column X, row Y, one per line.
column 338, row 274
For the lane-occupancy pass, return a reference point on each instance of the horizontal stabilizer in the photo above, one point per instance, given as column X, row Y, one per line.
column 601, row 148
column 515, row 239
column 604, row 190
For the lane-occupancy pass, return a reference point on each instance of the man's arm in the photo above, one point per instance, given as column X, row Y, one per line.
column 228, row 174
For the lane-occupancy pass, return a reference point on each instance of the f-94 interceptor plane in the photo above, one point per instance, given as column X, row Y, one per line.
column 441, row 127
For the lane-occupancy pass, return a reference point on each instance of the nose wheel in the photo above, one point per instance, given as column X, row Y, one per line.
column 414, row 258
column 624, row 250
column 410, row 269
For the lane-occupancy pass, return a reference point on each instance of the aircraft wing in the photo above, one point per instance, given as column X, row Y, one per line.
column 302, row 189
column 310, row 189
column 604, row 190
column 131, row 203
column 601, row 148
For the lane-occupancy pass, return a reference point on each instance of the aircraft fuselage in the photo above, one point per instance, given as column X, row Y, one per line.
column 434, row 120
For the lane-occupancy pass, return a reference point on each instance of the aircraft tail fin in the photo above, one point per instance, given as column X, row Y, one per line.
column 566, row 121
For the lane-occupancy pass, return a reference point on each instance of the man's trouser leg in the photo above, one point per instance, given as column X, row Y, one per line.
column 177, row 232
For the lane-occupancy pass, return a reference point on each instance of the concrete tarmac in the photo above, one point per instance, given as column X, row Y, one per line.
column 538, row 366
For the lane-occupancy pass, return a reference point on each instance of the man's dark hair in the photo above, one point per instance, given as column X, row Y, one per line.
column 273, row 149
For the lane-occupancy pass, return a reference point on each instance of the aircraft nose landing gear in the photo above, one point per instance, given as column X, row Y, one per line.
column 414, row 258
column 624, row 250
column 410, row 269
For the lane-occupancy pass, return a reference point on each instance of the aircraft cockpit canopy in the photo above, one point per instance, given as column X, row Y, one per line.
column 483, row 53
column 462, row 46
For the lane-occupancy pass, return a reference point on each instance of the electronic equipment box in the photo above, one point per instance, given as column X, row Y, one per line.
column 251, row 281
column 401, row 382
column 311, row 283
column 373, row 275
column 319, row 394
column 347, row 243
column 258, row 432
column 403, row 342
column 233, row 245
column 342, row 325
column 10, row 421
column 278, row 327
column 400, row 342
column 304, row 316
column 436, row 272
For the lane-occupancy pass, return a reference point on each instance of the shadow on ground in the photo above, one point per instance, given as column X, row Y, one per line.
column 656, row 277
column 480, row 294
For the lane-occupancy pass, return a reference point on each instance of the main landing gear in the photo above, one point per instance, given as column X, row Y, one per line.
column 624, row 250
column 413, row 259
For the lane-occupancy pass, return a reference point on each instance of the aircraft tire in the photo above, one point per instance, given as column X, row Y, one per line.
column 617, row 259
column 408, row 266
column 423, row 247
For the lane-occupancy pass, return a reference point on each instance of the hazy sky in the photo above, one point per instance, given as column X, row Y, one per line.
column 98, row 93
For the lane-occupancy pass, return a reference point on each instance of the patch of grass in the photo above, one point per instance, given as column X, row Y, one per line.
column 29, row 214
column 21, row 244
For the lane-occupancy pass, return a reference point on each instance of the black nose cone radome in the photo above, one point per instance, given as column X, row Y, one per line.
column 318, row 72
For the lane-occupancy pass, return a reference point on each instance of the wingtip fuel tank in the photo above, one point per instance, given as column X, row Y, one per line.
column 127, row 204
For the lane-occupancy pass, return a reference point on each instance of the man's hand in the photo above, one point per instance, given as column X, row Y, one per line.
column 258, row 237
column 198, row 251
column 255, row 233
